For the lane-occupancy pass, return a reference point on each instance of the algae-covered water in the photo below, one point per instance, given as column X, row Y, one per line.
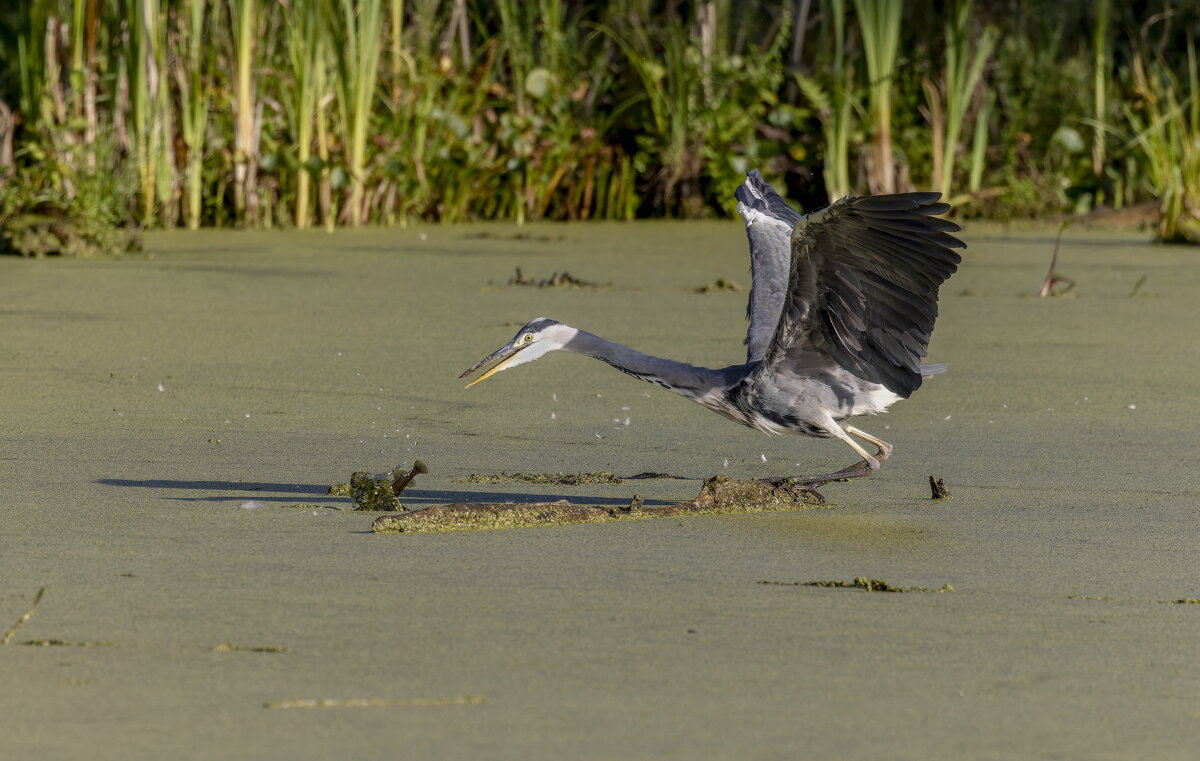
column 157, row 412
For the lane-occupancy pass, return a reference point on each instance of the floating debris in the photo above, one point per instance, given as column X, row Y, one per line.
column 719, row 495
column 562, row 279
column 229, row 647
column 1138, row 286
column 65, row 643
column 37, row 600
column 372, row 492
column 938, row 488
column 1056, row 285
column 721, row 284
column 401, row 482
column 860, row 582
column 648, row 475
column 558, row 479
column 374, row 702
column 514, row 236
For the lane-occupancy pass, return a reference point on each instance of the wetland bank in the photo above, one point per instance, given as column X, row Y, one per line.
column 1064, row 428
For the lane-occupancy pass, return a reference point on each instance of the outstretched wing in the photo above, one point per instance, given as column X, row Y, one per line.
column 769, row 223
column 864, row 284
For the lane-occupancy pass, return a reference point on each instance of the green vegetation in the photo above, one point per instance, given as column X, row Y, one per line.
column 117, row 115
column 562, row 479
column 718, row 496
column 859, row 582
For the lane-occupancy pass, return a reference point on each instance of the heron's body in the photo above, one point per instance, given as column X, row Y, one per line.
column 841, row 309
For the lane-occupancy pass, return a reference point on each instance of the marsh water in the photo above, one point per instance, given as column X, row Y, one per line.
column 159, row 409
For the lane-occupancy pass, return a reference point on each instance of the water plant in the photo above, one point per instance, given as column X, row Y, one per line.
column 966, row 54
column 879, row 21
column 265, row 112
column 1165, row 120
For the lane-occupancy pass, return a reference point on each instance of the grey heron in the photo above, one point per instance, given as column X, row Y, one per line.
column 842, row 306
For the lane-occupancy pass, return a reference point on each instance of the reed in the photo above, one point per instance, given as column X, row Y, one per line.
column 244, row 22
column 966, row 54
column 1166, row 122
column 1100, row 77
column 358, row 31
column 193, row 77
column 148, row 100
column 879, row 23
column 378, row 111
column 835, row 101
column 308, row 40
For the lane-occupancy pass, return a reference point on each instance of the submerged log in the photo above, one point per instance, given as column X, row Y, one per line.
column 719, row 495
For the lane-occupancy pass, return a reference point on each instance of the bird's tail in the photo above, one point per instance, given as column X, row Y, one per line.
column 927, row 370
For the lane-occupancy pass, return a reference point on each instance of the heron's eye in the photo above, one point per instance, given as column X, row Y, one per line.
column 528, row 337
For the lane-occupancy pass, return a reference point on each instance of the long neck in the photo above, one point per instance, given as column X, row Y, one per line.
column 682, row 378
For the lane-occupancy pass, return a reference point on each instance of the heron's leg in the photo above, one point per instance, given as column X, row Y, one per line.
column 885, row 449
column 862, row 469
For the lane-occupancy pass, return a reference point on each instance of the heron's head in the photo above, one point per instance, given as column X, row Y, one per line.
column 531, row 342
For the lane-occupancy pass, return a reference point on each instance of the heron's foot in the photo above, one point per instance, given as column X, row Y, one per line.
column 885, row 451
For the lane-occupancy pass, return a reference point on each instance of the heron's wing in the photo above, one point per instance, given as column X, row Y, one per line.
column 864, row 284
column 769, row 223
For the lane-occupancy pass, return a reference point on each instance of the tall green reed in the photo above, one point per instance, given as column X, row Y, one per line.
column 1100, row 77
column 834, row 99
column 193, row 77
column 308, row 41
column 966, row 54
column 357, row 32
column 244, row 17
column 879, row 22
column 1165, row 118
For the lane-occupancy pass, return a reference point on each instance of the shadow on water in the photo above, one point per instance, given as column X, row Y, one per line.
column 410, row 497
column 155, row 483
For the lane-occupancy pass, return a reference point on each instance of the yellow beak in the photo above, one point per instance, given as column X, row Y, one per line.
column 504, row 355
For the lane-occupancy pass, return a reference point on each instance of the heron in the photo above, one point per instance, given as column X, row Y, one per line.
column 841, row 310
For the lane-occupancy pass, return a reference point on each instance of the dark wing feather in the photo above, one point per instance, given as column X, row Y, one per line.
column 769, row 223
column 864, row 285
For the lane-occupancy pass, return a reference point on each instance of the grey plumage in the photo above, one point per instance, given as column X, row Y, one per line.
column 769, row 224
column 841, row 310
